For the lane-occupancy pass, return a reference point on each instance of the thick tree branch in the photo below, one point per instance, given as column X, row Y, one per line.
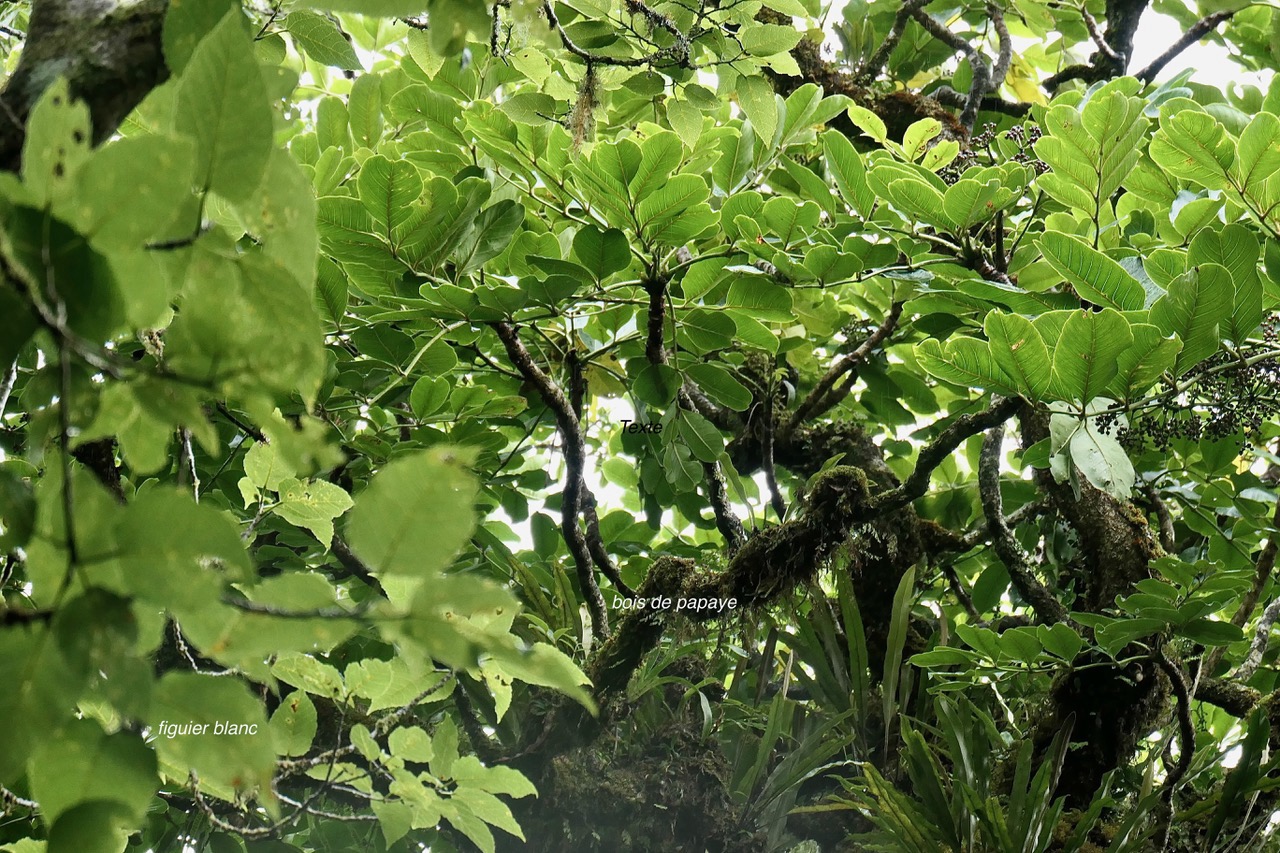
column 1042, row 600
column 963, row 427
column 981, row 83
column 575, row 456
column 108, row 50
column 878, row 59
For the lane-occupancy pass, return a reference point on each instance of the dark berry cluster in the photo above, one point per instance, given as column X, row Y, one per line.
column 1228, row 398
column 1023, row 137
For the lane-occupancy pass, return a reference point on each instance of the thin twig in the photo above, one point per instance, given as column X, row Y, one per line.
column 1091, row 23
column 981, row 83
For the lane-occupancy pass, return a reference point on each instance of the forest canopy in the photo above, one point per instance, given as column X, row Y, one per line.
column 620, row 425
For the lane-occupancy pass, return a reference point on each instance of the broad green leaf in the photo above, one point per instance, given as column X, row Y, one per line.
column 372, row 8
column 84, row 763
column 293, row 724
column 1193, row 145
column 1236, row 248
column 320, row 39
column 1094, row 276
column 602, row 252
column 758, row 102
column 132, row 188
column 1086, row 357
column 187, row 22
column 1197, row 303
column 415, row 515
column 98, row 826
column 222, row 105
column 313, row 505
column 847, row 169
column 203, row 703
column 389, row 190
column 720, row 385
column 701, row 437
column 868, row 122
column 1258, row 154
column 1140, row 365
column 39, row 695
column 489, row 235
column 1021, row 352
column 768, row 39
column 966, row 362
column 56, row 145
column 1078, row 444
column 660, row 154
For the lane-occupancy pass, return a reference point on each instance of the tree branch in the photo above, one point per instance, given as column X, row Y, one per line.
column 886, row 48
column 1198, row 30
column 108, row 50
column 963, row 427
column 1042, row 600
column 1261, row 638
column 575, row 458
column 981, row 83
column 822, row 398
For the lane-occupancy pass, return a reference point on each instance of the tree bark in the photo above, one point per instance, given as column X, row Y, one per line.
column 108, row 50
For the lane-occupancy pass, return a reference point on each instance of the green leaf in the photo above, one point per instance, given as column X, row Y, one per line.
column 1086, row 357
column 389, row 190
column 313, row 505
column 1077, row 444
column 222, row 104
column 490, row 234
column 602, row 252
column 84, row 764
column 701, row 437
column 759, row 104
column 966, row 362
column 319, row 38
column 293, row 724
column 40, row 691
column 1193, row 145
column 756, row 296
column 372, row 8
column 768, row 39
column 56, row 145
column 531, row 108
column 720, row 385
column 94, row 827
column 188, row 21
column 416, row 514
column 847, row 169
column 238, row 762
column 1258, row 154
column 1197, row 302
column 1210, row 632
column 132, row 188
column 1140, row 365
column 1236, row 248
column 868, row 122
column 1095, row 277
column 1021, row 352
